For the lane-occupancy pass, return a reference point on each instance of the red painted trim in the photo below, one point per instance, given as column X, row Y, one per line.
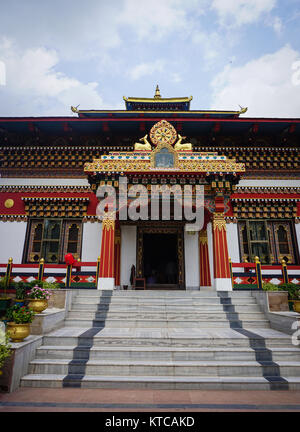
column 266, row 267
column 19, row 209
column 246, row 265
column 265, row 196
column 150, row 119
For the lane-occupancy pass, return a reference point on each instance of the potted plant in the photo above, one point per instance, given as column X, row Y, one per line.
column 18, row 322
column 20, row 293
column 38, row 298
column 4, row 299
column 293, row 293
column 5, row 350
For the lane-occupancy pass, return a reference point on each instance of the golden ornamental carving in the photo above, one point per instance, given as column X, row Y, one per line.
column 203, row 237
column 177, row 158
column 146, row 146
column 163, row 133
column 9, row 203
column 182, row 147
column 183, row 166
column 108, row 224
column 219, row 221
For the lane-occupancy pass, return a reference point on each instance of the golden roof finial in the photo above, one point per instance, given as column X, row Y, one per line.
column 157, row 93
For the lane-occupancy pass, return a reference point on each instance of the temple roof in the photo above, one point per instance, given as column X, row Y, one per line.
column 157, row 103
column 126, row 122
column 142, row 113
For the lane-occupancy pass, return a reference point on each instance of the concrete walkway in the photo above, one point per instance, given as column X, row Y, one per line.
column 113, row 400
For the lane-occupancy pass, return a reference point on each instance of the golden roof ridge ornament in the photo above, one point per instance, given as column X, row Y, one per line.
column 243, row 110
column 74, row 109
column 157, row 93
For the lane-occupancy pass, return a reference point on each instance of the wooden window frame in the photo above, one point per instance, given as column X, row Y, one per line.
column 63, row 240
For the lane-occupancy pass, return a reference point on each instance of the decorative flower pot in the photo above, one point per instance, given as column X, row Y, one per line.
column 37, row 305
column 4, row 303
column 19, row 302
column 18, row 332
column 297, row 306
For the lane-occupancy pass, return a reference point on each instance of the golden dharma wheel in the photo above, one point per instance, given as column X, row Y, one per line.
column 163, row 132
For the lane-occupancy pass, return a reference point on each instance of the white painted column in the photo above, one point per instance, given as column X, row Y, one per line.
column 12, row 235
column 233, row 242
column 297, row 228
column 128, row 252
column 191, row 255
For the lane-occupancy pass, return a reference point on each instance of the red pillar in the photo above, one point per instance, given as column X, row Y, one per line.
column 106, row 278
column 205, row 280
column 117, row 256
column 220, row 249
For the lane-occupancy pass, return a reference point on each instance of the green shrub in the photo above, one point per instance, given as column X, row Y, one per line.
column 19, row 314
column 3, row 286
column 268, row 286
column 292, row 289
column 35, row 283
column 5, row 350
column 50, row 285
column 20, row 291
column 43, row 284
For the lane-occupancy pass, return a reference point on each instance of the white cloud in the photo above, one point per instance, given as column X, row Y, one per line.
column 176, row 77
column 154, row 19
column 265, row 85
column 144, row 69
column 35, row 87
column 276, row 24
column 240, row 12
column 211, row 44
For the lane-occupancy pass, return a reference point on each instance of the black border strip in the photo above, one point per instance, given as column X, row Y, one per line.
column 81, row 353
column 268, row 407
column 263, row 355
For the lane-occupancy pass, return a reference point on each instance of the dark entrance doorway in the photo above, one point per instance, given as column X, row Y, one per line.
column 160, row 263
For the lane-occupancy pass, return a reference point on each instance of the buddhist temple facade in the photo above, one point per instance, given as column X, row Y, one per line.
column 57, row 171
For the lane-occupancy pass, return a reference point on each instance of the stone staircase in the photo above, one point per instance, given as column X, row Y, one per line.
column 165, row 340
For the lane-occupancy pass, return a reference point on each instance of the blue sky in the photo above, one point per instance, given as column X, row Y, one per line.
column 224, row 53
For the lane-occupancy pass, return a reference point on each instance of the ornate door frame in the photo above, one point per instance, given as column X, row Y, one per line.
column 161, row 229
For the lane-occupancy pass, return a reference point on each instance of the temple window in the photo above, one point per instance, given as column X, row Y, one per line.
column 271, row 241
column 164, row 159
column 51, row 239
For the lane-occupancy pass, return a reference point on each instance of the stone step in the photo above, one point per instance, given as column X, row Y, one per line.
column 163, row 368
column 156, row 323
column 158, row 294
column 157, row 302
column 165, row 316
column 162, row 382
column 167, row 353
column 126, row 342
column 164, row 308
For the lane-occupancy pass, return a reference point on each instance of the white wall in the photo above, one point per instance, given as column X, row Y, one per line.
column 191, row 255
column 43, row 182
column 128, row 252
column 233, row 243
column 270, row 183
column 12, row 240
column 297, row 227
column 91, row 242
